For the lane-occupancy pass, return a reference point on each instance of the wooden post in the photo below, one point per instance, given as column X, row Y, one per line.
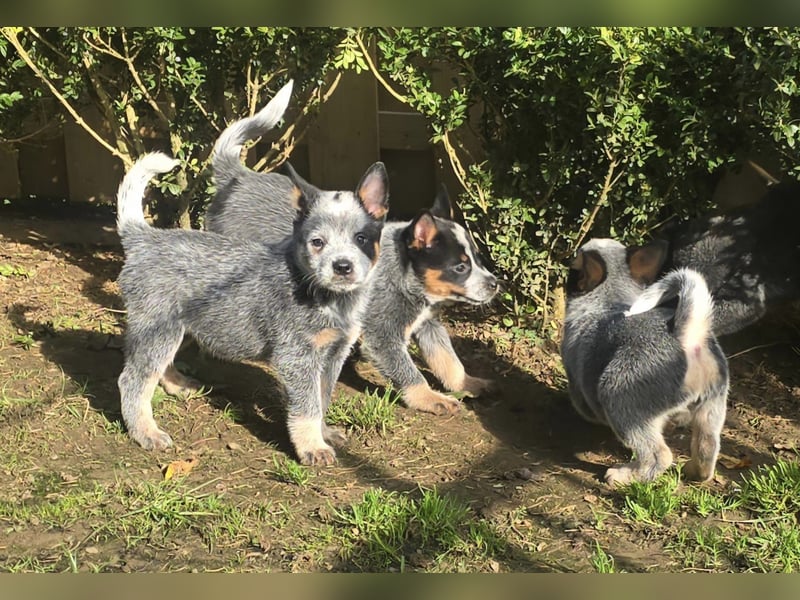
column 343, row 141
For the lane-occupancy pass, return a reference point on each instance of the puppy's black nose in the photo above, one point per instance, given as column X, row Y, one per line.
column 342, row 267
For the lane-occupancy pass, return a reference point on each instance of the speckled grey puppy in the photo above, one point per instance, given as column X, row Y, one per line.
column 632, row 364
column 423, row 263
column 296, row 304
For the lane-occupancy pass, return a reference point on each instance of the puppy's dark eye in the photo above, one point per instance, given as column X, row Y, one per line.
column 317, row 243
column 461, row 268
column 361, row 239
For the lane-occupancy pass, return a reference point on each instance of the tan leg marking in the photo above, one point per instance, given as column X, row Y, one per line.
column 176, row 383
column 422, row 397
column 325, row 337
column 142, row 426
column 308, row 441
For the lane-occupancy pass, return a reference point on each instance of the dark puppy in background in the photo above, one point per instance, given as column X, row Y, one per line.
column 423, row 263
column 633, row 365
column 749, row 256
column 297, row 304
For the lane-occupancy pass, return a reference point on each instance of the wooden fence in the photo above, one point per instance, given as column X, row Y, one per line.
column 360, row 124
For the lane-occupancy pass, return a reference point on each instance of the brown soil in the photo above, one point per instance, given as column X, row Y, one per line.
column 520, row 457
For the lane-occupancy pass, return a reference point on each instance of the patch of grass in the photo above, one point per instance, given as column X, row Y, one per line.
column 602, row 562
column 389, row 531
column 705, row 502
column 652, row 502
column 700, row 547
column 31, row 564
column 23, row 340
column 770, row 546
column 231, row 413
column 50, row 509
column 7, row 270
column 763, row 535
column 144, row 512
column 774, row 489
column 154, row 511
column 365, row 412
column 68, row 322
column 10, row 404
column 290, row 471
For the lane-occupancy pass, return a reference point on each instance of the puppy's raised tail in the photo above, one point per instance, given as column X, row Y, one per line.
column 131, row 190
column 227, row 161
column 694, row 314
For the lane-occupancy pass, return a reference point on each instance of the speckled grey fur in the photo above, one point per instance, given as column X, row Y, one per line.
column 240, row 299
column 250, row 205
column 634, row 372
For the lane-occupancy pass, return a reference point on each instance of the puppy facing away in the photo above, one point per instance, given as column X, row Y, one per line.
column 271, row 193
column 423, row 263
column 296, row 304
column 748, row 256
column 632, row 364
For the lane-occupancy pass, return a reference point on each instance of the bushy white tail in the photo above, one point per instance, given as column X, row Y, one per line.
column 228, row 149
column 131, row 190
column 694, row 314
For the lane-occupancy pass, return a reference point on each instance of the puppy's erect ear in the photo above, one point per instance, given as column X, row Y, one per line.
column 373, row 191
column 645, row 262
column 424, row 231
column 442, row 207
column 591, row 270
column 304, row 194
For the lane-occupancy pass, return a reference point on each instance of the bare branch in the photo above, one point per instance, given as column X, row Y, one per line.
column 11, row 35
column 609, row 182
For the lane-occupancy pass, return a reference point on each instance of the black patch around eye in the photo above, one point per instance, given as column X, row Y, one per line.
column 462, row 269
column 367, row 240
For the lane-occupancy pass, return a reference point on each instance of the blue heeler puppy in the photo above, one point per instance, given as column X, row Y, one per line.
column 423, row 263
column 748, row 255
column 633, row 365
column 297, row 304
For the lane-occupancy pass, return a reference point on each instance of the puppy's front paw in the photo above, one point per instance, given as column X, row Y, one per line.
column 475, row 386
column 335, row 436
column 152, row 438
column 421, row 397
column 324, row 456
column 619, row 476
column 697, row 471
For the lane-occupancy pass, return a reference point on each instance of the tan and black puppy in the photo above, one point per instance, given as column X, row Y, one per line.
column 633, row 364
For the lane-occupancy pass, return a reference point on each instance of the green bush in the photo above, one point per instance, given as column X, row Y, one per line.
column 595, row 131
column 582, row 131
column 178, row 84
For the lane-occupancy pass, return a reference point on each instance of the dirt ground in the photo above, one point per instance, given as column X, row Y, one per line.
column 520, row 458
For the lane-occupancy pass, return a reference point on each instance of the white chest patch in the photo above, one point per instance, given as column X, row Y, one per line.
column 423, row 316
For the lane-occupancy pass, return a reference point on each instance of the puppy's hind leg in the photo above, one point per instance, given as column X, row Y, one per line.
column 148, row 354
column 652, row 455
column 707, row 422
column 176, row 383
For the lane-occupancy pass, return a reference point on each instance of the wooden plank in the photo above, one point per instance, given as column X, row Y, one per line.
column 412, row 181
column 343, row 141
column 42, row 168
column 403, row 131
column 9, row 171
column 93, row 173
